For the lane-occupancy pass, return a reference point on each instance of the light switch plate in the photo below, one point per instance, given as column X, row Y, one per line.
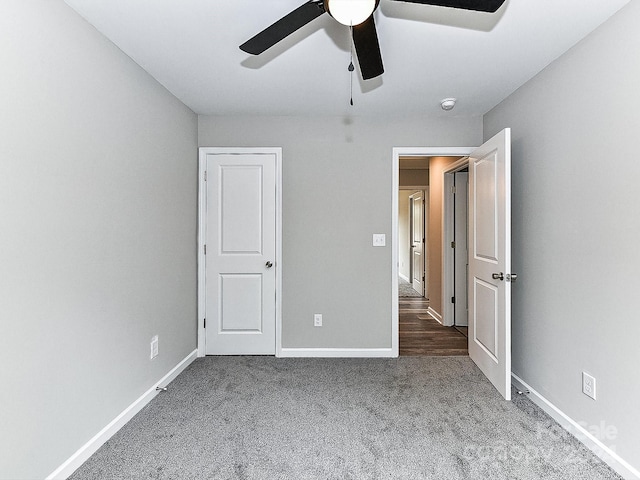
column 154, row 347
column 379, row 240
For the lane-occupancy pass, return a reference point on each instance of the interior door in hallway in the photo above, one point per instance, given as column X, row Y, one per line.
column 240, row 254
column 490, row 260
column 461, row 254
column 417, row 241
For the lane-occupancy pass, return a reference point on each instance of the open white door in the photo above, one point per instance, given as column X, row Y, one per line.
column 417, row 241
column 490, row 260
column 240, row 261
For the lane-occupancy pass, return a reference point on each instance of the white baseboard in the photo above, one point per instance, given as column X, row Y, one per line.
column 404, row 277
column 337, row 353
column 435, row 315
column 88, row 449
column 591, row 442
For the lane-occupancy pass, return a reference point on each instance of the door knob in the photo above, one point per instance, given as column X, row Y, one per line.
column 498, row 276
column 269, row 264
column 512, row 277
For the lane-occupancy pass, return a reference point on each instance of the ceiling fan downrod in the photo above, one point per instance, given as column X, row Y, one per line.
column 351, row 68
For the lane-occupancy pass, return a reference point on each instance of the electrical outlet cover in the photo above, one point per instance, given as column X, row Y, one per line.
column 379, row 240
column 588, row 385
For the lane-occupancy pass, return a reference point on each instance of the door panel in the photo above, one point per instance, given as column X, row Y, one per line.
column 485, row 200
column 239, row 312
column 490, row 260
column 241, row 243
column 486, row 331
column 241, row 210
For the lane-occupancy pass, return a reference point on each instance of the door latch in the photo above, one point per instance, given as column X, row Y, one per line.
column 512, row 277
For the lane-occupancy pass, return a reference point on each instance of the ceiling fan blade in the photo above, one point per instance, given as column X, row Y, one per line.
column 365, row 39
column 283, row 27
column 479, row 5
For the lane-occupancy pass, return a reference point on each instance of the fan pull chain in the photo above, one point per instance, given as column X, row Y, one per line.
column 351, row 67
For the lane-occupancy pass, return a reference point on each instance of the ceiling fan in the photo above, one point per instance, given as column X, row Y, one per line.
column 357, row 14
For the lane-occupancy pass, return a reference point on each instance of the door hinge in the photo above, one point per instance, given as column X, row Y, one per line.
column 205, row 323
column 453, row 244
column 205, row 175
column 205, row 249
column 453, row 299
column 453, row 189
column 423, row 278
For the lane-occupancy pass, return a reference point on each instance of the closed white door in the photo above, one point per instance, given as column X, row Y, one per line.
column 417, row 241
column 490, row 260
column 240, row 255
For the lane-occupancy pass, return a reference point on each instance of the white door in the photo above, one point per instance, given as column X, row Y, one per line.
column 417, row 241
column 240, row 258
column 490, row 260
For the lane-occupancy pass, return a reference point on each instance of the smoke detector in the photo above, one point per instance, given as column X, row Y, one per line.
column 448, row 104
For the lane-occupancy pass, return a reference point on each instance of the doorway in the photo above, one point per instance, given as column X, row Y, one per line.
column 412, row 236
column 489, row 210
column 420, row 329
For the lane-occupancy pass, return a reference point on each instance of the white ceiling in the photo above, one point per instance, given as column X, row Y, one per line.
column 191, row 47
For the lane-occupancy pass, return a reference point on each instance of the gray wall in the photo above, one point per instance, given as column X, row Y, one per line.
column 97, row 246
column 576, row 227
column 336, row 193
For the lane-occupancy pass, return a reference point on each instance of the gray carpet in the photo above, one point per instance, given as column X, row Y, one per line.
column 405, row 289
column 408, row 418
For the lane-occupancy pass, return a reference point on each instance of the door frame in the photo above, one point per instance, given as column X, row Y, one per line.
column 398, row 152
column 448, row 217
column 202, row 217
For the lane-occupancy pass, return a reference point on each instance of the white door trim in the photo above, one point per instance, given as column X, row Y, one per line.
column 202, row 215
column 398, row 152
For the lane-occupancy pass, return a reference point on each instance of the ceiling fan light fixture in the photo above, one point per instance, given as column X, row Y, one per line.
column 351, row 12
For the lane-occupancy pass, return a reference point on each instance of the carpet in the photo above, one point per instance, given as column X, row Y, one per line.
column 405, row 289
column 407, row 418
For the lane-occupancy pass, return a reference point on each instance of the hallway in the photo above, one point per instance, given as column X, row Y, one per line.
column 421, row 335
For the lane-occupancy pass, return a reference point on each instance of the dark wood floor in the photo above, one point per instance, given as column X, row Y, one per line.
column 421, row 335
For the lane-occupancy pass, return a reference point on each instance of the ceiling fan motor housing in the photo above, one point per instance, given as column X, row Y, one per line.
column 351, row 12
